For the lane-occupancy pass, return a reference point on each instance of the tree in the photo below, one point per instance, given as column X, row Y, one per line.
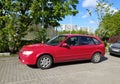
column 4, row 20
column 111, row 24
column 16, row 17
column 102, row 31
column 103, row 9
column 52, row 15
column 17, row 21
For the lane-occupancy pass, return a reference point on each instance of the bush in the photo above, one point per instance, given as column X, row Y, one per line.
column 114, row 39
column 4, row 47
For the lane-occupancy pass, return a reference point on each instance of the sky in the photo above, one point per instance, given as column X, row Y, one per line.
column 83, row 19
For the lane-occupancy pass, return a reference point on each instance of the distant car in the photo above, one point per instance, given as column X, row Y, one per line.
column 114, row 48
column 63, row 48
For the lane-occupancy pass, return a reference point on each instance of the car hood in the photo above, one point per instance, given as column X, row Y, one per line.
column 34, row 46
column 116, row 45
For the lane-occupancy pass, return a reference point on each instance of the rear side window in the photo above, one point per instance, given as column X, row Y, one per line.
column 83, row 40
column 96, row 41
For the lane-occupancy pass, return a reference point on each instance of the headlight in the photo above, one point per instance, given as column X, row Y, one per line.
column 27, row 53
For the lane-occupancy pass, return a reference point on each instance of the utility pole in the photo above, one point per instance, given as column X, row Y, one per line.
column 70, row 24
column 42, row 15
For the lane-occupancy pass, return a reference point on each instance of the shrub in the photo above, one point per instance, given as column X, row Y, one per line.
column 114, row 39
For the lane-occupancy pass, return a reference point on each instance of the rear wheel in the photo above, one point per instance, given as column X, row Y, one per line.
column 44, row 62
column 96, row 58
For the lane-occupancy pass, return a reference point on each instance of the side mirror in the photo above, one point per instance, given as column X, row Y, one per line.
column 65, row 45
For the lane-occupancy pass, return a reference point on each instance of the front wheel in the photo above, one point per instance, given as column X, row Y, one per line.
column 96, row 58
column 44, row 62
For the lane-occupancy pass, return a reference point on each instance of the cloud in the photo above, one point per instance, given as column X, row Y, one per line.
column 93, row 3
column 89, row 3
column 92, row 22
column 114, row 9
column 84, row 16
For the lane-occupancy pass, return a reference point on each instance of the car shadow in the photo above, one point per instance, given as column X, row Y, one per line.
column 104, row 59
column 76, row 62
column 33, row 66
column 68, row 63
column 62, row 64
column 118, row 56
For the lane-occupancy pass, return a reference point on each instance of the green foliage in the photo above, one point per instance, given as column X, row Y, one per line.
column 103, row 7
column 16, row 21
column 104, row 13
column 52, row 15
column 3, row 41
column 16, row 17
column 110, row 24
column 41, row 36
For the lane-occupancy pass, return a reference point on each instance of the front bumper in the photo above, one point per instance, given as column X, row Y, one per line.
column 29, row 60
column 114, row 51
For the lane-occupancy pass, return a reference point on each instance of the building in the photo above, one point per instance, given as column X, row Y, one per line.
column 70, row 27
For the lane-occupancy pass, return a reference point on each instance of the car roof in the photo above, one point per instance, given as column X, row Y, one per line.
column 77, row 35
column 96, row 37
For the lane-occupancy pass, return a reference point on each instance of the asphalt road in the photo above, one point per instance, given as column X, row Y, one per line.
column 85, row 72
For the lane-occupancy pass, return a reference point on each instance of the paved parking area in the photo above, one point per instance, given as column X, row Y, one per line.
column 106, row 72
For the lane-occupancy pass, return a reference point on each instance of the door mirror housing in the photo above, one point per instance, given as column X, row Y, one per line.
column 65, row 45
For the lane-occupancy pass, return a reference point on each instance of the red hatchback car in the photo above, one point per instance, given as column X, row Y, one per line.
column 63, row 48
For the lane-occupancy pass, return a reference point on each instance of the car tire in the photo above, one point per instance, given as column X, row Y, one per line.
column 44, row 62
column 96, row 58
column 111, row 54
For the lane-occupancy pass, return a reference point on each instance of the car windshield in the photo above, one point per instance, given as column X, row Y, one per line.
column 56, row 40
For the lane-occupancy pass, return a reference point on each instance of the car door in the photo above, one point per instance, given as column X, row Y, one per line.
column 87, row 47
column 71, row 51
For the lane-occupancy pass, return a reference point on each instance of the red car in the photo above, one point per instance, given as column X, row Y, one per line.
column 63, row 48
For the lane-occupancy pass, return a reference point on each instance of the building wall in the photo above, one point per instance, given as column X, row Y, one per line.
column 70, row 27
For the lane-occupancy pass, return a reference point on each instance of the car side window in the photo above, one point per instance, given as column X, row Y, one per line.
column 96, row 41
column 72, row 41
column 84, row 40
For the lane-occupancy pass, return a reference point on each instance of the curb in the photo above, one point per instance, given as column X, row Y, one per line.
column 5, row 54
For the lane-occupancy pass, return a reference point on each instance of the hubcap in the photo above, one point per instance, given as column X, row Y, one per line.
column 45, row 62
column 97, row 58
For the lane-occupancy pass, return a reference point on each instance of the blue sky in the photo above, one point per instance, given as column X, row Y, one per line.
column 83, row 18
